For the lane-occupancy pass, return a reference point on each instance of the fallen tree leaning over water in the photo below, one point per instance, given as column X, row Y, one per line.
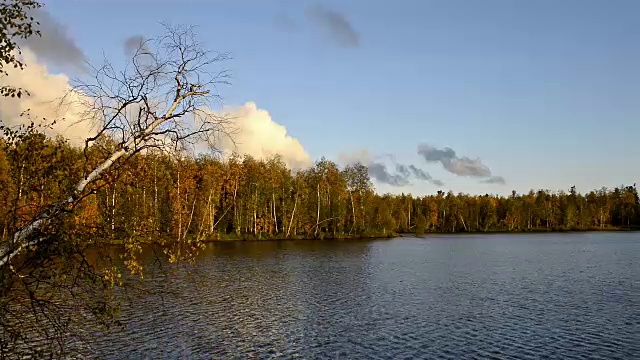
column 130, row 107
column 162, row 101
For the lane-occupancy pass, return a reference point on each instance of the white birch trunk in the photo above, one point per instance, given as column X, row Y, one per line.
column 295, row 203
column 24, row 238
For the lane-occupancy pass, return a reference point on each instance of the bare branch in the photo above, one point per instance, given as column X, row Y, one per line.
column 164, row 98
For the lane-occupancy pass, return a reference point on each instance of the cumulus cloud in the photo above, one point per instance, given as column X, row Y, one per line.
column 54, row 46
column 51, row 98
column 335, row 24
column 458, row 165
column 257, row 134
column 382, row 173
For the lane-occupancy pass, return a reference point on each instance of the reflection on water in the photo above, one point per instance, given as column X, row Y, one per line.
column 502, row 296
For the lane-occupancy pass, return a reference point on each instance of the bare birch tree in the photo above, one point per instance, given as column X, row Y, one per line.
column 162, row 100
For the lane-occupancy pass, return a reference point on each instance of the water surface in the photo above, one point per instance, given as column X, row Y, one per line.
column 568, row 296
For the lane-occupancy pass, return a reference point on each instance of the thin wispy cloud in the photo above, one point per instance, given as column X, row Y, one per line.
column 419, row 174
column 133, row 44
column 55, row 46
column 335, row 24
column 285, row 22
column 424, row 176
column 458, row 165
column 494, row 180
column 384, row 169
column 461, row 166
column 380, row 172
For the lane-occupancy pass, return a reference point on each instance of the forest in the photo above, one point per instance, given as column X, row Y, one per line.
column 206, row 198
column 132, row 183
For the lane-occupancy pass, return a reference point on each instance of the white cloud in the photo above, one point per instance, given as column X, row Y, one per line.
column 258, row 135
column 50, row 97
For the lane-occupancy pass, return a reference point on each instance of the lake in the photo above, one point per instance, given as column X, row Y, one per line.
column 568, row 296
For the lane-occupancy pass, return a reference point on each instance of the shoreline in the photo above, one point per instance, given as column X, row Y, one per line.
column 251, row 238
column 531, row 231
column 425, row 234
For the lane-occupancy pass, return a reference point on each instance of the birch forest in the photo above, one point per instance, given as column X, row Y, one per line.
column 205, row 198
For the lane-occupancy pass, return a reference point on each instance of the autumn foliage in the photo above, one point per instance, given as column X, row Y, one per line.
column 156, row 196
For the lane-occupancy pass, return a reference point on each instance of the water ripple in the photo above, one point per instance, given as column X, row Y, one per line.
column 476, row 297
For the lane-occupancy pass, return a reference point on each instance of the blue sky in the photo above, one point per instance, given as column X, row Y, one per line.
column 546, row 93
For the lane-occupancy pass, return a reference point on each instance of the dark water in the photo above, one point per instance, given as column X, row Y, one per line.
column 564, row 296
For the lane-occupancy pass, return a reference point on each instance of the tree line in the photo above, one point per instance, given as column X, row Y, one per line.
column 204, row 197
column 57, row 200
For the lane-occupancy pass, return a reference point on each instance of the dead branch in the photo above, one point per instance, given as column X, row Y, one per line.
column 163, row 99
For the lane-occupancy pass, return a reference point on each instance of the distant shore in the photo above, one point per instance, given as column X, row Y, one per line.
column 529, row 231
column 250, row 237
column 389, row 235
